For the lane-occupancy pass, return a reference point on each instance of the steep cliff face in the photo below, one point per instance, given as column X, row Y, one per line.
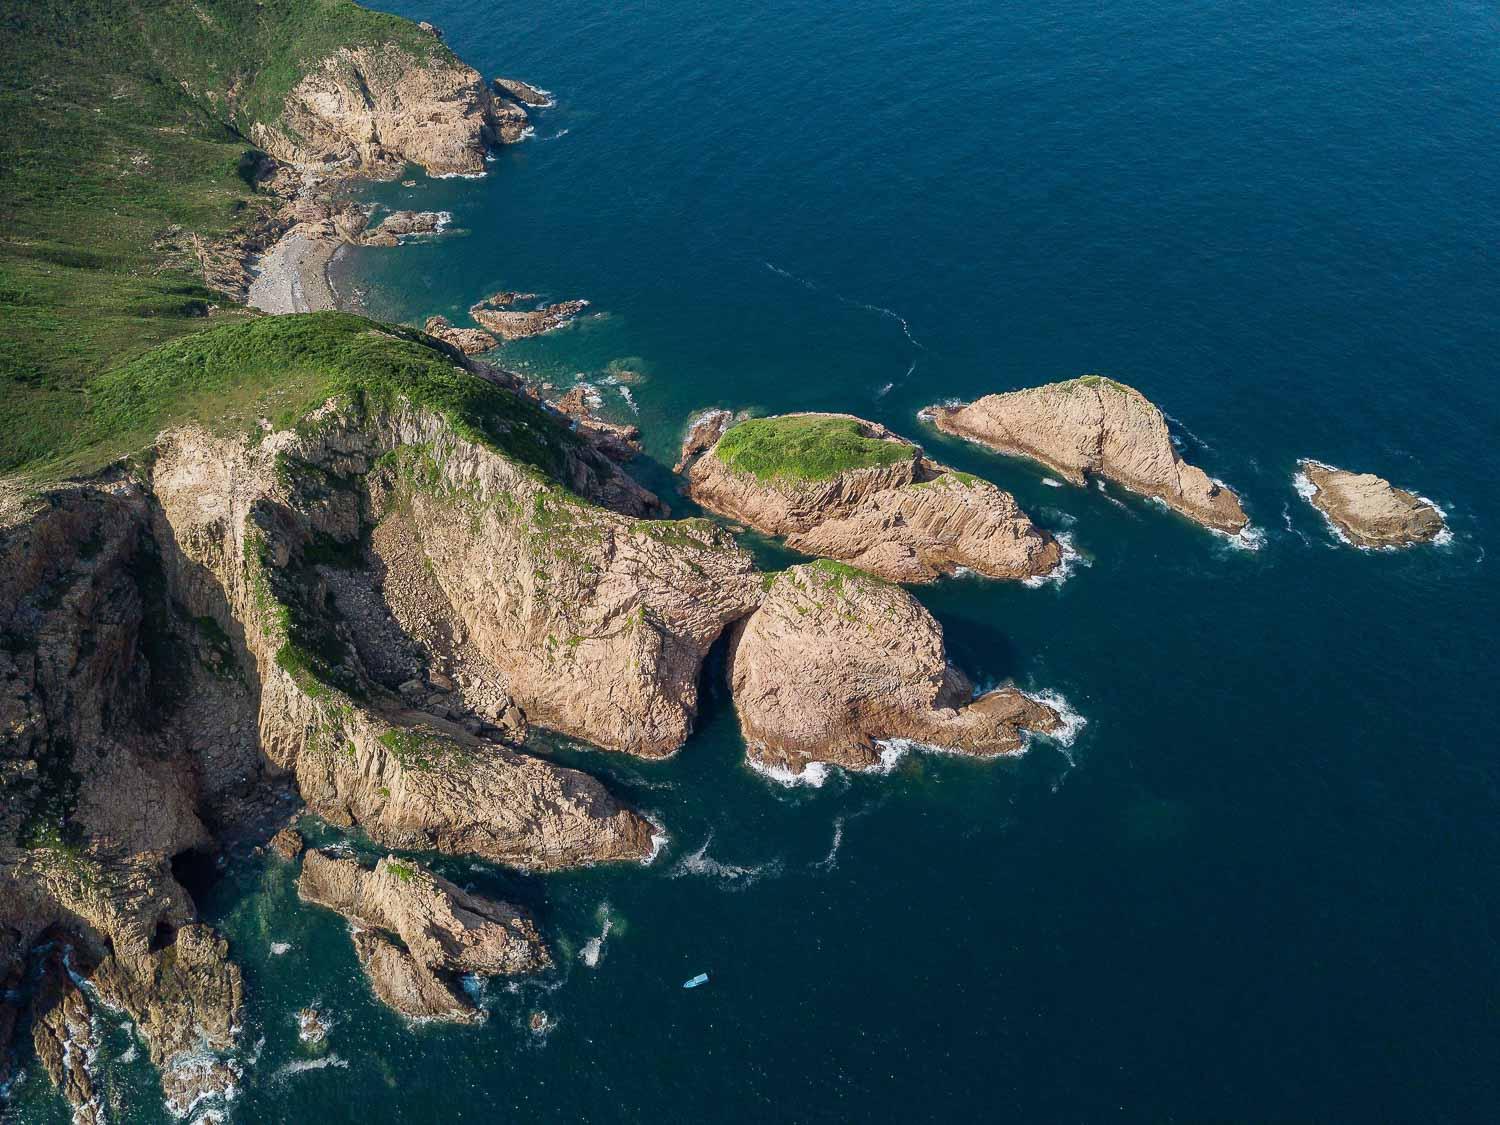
column 377, row 107
column 1095, row 427
column 835, row 662
column 902, row 517
column 181, row 633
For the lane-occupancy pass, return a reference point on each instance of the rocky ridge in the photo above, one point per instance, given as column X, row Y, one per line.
column 909, row 520
column 495, row 314
column 415, row 932
column 1366, row 510
column 1095, row 427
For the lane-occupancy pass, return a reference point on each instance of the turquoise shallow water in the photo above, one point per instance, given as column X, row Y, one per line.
column 1262, row 883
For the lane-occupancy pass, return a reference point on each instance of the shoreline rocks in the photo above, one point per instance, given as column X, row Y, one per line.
column 835, row 662
column 884, row 507
column 416, row 933
column 1095, row 427
column 495, row 314
column 1366, row 510
column 470, row 341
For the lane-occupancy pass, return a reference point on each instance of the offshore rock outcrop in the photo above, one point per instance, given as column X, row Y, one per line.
column 910, row 520
column 400, row 225
column 835, row 662
column 1095, row 427
column 416, row 932
column 1366, row 510
column 495, row 314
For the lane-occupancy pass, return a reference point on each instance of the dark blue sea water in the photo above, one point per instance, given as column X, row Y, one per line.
column 1262, row 883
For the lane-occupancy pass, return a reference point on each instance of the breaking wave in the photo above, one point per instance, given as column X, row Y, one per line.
column 812, row 775
column 1071, row 560
column 594, row 947
column 297, row 1066
column 703, row 864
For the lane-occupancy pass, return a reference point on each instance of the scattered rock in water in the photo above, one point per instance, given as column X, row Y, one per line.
column 287, row 843
column 851, row 490
column 540, row 1023
column 399, row 225
column 835, row 662
column 1095, row 427
column 312, row 1026
column 1366, row 510
column 470, row 341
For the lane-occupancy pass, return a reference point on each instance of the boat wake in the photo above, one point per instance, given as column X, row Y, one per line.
column 878, row 310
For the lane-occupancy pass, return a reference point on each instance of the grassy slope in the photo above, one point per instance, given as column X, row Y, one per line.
column 803, row 448
column 113, row 129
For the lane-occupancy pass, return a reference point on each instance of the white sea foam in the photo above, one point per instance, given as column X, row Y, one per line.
column 279, row 947
column 659, row 840
column 1444, row 537
column 831, row 860
column 1051, row 483
column 559, row 135
column 460, row 175
column 1071, row 560
column 628, row 397
column 128, row 1054
column 812, row 775
column 1176, row 422
column 1099, row 484
column 884, row 390
column 1072, row 722
column 1248, row 538
column 594, row 947
column 702, row 864
column 298, row 1066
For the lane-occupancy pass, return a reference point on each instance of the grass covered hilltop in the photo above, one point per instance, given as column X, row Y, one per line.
column 805, row 447
column 123, row 162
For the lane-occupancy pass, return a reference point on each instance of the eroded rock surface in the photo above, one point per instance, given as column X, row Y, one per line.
column 1095, row 427
column 470, row 341
column 509, row 323
column 379, row 107
column 399, row 225
column 1366, row 510
column 419, row 932
column 909, row 520
column 835, row 661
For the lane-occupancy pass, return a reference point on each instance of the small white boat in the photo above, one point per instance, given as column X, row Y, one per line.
column 701, row 978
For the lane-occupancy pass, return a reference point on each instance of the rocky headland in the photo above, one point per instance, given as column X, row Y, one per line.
column 836, row 662
column 470, row 341
column 415, row 933
column 1095, row 427
column 847, row 489
column 1368, row 511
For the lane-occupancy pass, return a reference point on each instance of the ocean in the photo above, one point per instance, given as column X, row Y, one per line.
column 1263, row 882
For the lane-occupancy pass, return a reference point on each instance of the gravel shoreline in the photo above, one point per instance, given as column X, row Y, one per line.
column 292, row 276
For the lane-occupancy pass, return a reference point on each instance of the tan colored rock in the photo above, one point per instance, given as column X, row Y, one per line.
column 429, row 932
column 401, row 225
column 1095, row 427
column 520, row 324
column 1366, row 510
column 470, row 341
column 703, row 432
column 287, row 843
column 523, row 92
column 376, row 108
column 834, row 662
column 909, row 521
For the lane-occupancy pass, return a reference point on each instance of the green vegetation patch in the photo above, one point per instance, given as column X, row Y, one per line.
column 805, row 448
column 417, row 750
column 280, row 368
column 123, row 162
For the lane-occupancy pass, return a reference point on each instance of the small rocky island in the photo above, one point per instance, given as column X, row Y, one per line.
column 1095, row 427
column 846, row 489
column 1366, row 510
column 836, row 662
column 498, row 314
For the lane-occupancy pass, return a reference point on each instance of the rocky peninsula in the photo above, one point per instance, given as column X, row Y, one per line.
column 1095, row 427
column 851, row 490
column 836, row 662
column 1365, row 510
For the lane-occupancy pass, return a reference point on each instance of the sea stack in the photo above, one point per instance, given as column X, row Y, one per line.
column 1095, row 427
column 1366, row 510
column 835, row 662
column 847, row 489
